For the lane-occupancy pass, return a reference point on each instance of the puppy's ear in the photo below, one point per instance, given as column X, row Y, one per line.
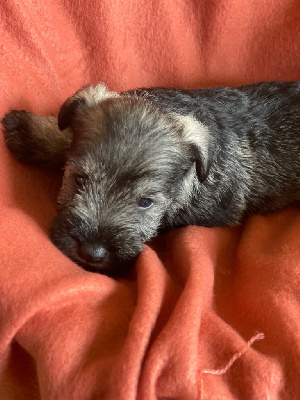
column 68, row 111
column 200, row 144
column 86, row 97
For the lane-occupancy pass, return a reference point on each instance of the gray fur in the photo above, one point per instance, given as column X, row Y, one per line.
column 205, row 157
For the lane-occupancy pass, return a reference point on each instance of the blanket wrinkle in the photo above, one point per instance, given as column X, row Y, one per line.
column 196, row 296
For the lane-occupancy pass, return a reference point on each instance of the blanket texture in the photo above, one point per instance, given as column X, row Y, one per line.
column 206, row 313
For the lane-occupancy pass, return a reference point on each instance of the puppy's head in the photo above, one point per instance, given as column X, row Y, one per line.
column 130, row 166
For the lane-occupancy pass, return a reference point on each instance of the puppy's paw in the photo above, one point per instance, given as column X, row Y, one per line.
column 17, row 132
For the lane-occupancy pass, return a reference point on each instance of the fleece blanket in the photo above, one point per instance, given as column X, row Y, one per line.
column 205, row 313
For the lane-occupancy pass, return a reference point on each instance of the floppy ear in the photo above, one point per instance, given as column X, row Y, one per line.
column 86, row 97
column 200, row 143
column 203, row 162
column 68, row 111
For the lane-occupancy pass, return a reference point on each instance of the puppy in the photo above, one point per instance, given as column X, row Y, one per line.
column 147, row 160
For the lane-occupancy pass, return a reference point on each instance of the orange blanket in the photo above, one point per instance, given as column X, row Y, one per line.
column 206, row 313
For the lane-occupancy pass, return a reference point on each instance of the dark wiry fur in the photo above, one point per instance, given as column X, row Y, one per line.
column 205, row 157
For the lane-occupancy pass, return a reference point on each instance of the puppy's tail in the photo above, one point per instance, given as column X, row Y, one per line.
column 35, row 139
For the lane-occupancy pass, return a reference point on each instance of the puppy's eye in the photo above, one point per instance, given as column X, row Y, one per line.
column 79, row 180
column 145, row 202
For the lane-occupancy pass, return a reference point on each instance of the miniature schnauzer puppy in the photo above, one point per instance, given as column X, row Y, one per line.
column 147, row 160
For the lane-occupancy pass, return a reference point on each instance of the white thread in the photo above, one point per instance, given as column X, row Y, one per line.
column 221, row 371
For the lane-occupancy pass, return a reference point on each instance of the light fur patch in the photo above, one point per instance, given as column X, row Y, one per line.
column 95, row 94
column 195, row 133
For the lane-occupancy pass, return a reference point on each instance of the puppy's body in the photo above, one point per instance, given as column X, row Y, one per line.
column 256, row 149
column 204, row 157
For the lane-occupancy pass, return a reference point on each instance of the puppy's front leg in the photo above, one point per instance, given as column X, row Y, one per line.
column 35, row 139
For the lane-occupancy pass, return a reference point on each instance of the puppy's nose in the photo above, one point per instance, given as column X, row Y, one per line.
column 92, row 252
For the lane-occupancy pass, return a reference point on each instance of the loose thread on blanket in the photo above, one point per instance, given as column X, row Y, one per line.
column 221, row 371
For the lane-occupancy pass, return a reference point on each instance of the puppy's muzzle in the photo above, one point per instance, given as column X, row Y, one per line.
column 93, row 252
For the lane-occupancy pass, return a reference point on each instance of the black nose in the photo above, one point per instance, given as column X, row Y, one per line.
column 92, row 252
